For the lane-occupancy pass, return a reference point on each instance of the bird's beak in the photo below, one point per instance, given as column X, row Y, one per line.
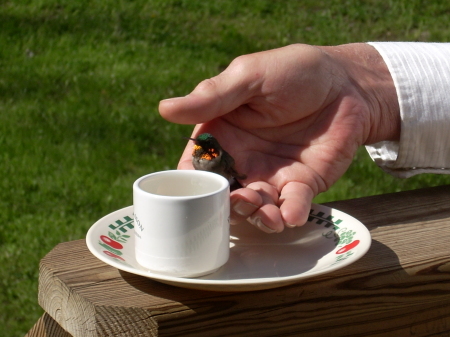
column 193, row 139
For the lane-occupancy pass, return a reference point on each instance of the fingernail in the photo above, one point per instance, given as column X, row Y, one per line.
column 258, row 223
column 290, row 225
column 244, row 208
column 236, row 221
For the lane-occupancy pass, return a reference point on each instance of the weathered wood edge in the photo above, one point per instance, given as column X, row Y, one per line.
column 46, row 326
column 72, row 312
column 61, row 296
column 398, row 207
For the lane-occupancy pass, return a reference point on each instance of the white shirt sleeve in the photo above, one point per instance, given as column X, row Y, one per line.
column 421, row 74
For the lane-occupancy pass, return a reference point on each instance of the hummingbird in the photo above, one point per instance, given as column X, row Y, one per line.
column 208, row 155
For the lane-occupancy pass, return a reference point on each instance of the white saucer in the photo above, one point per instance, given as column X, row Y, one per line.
column 330, row 240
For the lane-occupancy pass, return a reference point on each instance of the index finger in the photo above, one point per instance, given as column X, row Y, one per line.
column 213, row 97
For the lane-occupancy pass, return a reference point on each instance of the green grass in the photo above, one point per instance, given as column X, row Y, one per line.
column 80, row 83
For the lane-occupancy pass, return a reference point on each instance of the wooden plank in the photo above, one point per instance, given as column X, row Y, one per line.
column 400, row 288
column 47, row 327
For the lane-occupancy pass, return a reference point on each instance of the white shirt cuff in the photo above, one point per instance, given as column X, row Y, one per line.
column 421, row 74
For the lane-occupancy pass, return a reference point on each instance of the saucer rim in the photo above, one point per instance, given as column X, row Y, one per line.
column 249, row 284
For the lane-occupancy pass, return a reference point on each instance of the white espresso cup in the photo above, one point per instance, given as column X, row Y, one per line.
column 181, row 222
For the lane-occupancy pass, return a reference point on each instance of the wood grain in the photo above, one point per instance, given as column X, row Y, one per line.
column 401, row 287
column 47, row 327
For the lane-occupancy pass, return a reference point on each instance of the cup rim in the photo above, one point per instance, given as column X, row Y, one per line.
column 223, row 181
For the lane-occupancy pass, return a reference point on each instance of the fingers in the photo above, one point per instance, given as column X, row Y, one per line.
column 213, row 97
column 295, row 203
column 244, row 202
column 256, row 204
column 260, row 205
column 267, row 218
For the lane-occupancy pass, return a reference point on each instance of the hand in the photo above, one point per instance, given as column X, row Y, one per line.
column 292, row 118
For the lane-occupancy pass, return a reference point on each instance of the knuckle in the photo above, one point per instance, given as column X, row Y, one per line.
column 241, row 64
column 207, row 85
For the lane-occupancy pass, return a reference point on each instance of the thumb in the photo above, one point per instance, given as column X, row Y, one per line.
column 212, row 98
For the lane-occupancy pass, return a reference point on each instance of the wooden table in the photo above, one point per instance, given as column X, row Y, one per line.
column 401, row 287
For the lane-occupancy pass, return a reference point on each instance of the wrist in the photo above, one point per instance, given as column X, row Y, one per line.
column 369, row 74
